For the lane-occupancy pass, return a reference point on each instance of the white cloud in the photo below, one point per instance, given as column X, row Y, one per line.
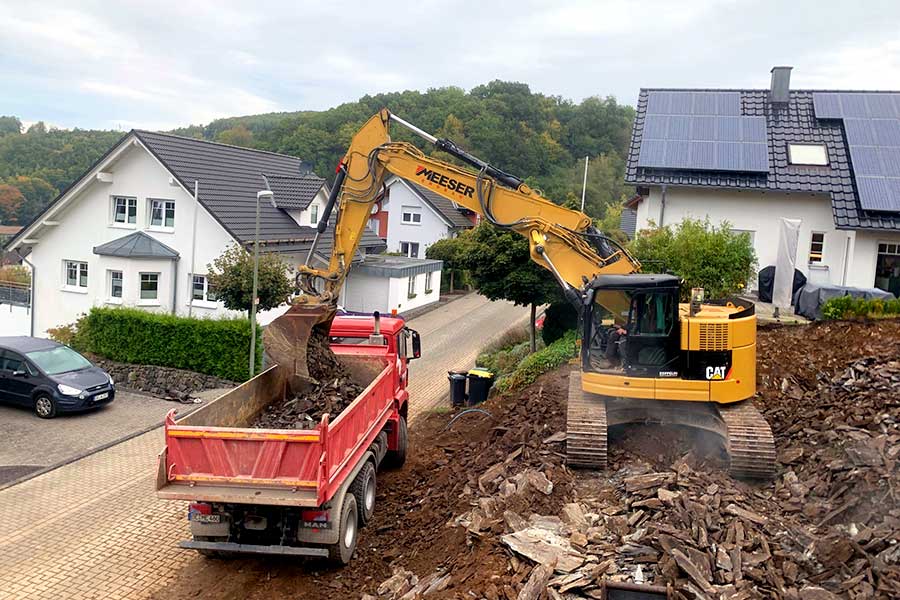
column 854, row 66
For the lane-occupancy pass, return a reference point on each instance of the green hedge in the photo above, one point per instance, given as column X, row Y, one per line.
column 213, row 346
column 542, row 361
column 848, row 307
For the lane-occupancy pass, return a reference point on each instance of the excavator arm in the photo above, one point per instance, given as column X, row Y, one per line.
column 562, row 240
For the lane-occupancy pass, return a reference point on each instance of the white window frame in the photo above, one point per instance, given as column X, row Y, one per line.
column 314, row 214
column 110, row 298
column 154, row 301
column 208, row 299
column 411, row 287
column 81, row 276
column 165, row 206
column 412, row 212
column 428, row 277
column 806, row 154
column 813, row 259
column 409, row 249
column 130, row 221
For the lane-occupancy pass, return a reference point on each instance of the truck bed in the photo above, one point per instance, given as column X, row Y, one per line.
column 213, row 455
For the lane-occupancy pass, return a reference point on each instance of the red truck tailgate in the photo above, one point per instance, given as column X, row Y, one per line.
column 269, row 466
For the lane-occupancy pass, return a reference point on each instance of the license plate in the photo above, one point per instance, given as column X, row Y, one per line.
column 315, row 524
column 100, row 397
column 206, row 518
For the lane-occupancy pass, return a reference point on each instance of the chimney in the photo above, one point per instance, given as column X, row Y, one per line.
column 781, row 85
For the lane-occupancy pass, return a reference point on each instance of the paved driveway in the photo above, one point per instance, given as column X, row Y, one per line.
column 29, row 444
column 95, row 529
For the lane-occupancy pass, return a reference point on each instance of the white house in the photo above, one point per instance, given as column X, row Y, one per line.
column 412, row 217
column 141, row 225
column 412, row 283
column 750, row 157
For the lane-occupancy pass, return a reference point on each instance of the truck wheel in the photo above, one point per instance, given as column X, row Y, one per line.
column 45, row 406
column 363, row 489
column 397, row 457
column 342, row 551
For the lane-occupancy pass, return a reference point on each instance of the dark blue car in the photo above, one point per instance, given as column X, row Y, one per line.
column 50, row 378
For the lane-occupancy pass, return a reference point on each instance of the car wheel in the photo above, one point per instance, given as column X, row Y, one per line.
column 363, row 489
column 45, row 406
column 342, row 551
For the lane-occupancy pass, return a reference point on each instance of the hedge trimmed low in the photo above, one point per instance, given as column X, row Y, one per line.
column 213, row 346
column 848, row 307
column 542, row 361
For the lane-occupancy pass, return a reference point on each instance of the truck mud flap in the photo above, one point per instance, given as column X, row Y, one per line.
column 254, row 548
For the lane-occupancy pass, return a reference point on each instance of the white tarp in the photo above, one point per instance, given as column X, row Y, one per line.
column 782, row 290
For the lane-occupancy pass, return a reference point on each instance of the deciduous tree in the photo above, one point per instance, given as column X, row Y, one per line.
column 231, row 274
column 10, row 201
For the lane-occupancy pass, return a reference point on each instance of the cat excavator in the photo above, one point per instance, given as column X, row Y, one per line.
column 689, row 364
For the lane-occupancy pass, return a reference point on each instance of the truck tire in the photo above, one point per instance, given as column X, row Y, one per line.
column 363, row 489
column 342, row 551
column 397, row 457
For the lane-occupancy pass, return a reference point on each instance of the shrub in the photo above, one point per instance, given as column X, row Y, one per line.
column 714, row 258
column 212, row 346
column 849, row 307
column 542, row 361
column 559, row 318
column 15, row 274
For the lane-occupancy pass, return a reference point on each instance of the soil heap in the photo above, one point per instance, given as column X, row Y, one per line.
column 331, row 392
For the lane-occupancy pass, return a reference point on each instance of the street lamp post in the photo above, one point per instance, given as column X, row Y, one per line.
column 253, row 299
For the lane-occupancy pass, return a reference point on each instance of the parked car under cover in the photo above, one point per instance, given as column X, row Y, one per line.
column 50, row 378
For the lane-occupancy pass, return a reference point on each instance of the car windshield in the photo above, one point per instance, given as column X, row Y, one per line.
column 61, row 359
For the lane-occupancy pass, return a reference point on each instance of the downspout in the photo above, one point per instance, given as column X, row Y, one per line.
column 846, row 260
column 662, row 205
column 175, row 283
column 33, row 280
column 193, row 248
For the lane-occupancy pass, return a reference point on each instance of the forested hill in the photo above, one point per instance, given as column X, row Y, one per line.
column 543, row 138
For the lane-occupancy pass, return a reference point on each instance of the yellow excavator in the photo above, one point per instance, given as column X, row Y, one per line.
column 691, row 364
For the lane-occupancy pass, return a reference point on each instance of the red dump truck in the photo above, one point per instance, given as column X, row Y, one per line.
column 299, row 492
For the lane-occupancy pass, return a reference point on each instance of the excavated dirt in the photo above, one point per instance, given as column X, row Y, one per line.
column 480, row 502
column 334, row 391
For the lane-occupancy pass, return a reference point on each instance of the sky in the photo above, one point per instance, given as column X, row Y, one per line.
column 165, row 64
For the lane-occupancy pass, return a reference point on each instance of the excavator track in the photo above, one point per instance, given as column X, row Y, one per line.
column 585, row 427
column 751, row 446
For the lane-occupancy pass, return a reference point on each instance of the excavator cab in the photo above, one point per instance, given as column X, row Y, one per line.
column 646, row 307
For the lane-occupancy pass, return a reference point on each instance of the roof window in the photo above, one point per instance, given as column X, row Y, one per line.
column 808, row 154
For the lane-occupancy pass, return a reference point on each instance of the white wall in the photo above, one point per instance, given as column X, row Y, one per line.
column 431, row 229
column 366, row 293
column 14, row 320
column 86, row 221
column 864, row 254
column 302, row 217
column 760, row 212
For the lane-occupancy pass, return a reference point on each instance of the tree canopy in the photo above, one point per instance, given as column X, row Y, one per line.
column 536, row 136
column 231, row 275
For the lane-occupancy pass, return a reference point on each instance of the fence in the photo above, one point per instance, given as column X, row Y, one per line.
column 15, row 294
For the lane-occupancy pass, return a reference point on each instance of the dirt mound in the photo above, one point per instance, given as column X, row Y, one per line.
column 334, row 391
column 482, row 501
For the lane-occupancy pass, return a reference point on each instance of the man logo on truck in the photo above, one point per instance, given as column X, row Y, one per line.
column 451, row 184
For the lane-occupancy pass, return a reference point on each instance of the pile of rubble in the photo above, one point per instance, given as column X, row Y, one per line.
column 827, row 527
column 331, row 391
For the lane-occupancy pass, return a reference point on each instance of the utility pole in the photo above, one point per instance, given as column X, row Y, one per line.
column 584, row 184
column 254, row 300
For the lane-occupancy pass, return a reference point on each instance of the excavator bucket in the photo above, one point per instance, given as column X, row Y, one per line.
column 286, row 340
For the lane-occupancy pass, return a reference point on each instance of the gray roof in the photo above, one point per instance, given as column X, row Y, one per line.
column 397, row 266
column 795, row 122
column 136, row 245
column 229, row 179
column 628, row 221
column 447, row 209
column 294, row 191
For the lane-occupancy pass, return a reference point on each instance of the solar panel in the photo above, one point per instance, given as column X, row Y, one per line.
column 872, row 126
column 701, row 142
column 694, row 103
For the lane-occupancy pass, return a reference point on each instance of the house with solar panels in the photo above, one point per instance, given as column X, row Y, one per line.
column 750, row 157
column 140, row 227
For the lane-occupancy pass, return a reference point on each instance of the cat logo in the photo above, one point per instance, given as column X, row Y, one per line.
column 715, row 372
